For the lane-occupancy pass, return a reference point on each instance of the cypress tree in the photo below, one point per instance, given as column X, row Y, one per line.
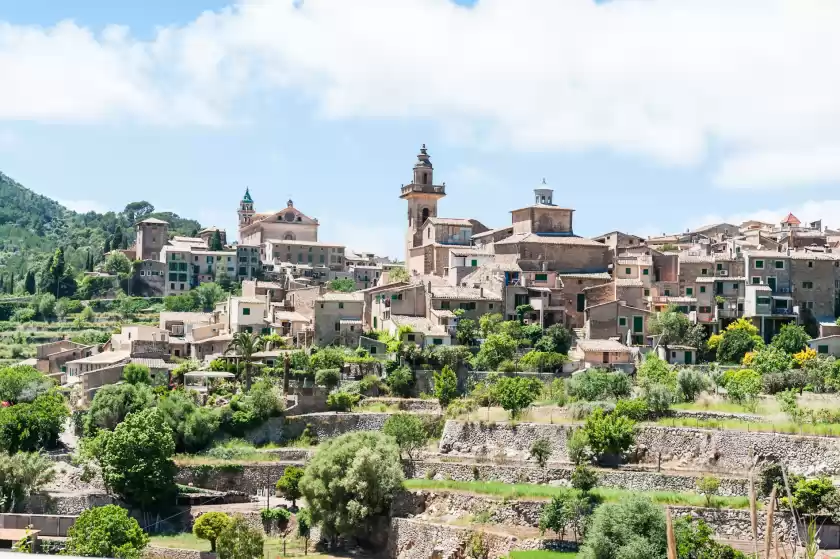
column 107, row 248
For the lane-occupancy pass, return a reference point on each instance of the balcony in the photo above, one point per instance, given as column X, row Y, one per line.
column 437, row 190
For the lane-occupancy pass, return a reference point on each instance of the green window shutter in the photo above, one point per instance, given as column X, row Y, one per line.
column 581, row 302
column 702, row 289
column 822, row 349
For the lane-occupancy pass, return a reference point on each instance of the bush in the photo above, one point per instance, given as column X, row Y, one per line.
column 279, row 517
column 736, row 343
column 635, row 409
column 372, row 385
column 113, row 402
column 541, row 451
column 106, row 532
column 329, row 378
column 239, row 540
column 654, row 370
column 495, row 349
column 445, row 386
column 35, row 425
column 577, row 446
column 137, row 374
column 771, row 476
column 408, row 432
column 507, row 366
column 515, row 394
column 791, row 339
column 400, row 381
column 631, row 528
column 584, row 478
column 350, row 480
column 289, row 484
column 569, row 509
column 342, row 401
column 22, row 474
column 609, row 433
column 326, row 358
column 690, row 383
column 581, row 410
column 743, row 386
column 595, row 384
column 209, row 526
column 708, row 487
column 809, row 495
column 542, row 361
column 658, row 398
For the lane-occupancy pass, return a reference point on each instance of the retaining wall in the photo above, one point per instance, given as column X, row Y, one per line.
column 407, row 404
column 523, row 473
column 322, row 425
column 66, row 503
column 732, row 451
column 156, row 552
column 253, row 479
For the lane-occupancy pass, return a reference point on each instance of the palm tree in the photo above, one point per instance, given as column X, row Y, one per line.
column 245, row 345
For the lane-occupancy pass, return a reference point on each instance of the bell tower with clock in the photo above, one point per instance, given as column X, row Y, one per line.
column 422, row 196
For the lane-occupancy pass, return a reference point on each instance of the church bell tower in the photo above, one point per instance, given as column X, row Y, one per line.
column 422, row 196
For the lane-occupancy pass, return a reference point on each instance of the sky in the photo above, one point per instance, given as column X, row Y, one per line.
column 646, row 116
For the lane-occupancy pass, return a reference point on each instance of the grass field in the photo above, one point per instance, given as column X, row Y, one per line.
column 185, row 540
column 535, row 491
column 822, row 429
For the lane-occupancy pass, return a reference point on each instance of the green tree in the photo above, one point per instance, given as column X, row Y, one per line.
column 216, row 241
column 22, row 384
column 445, row 385
column 791, row 338
column 708, row 486
column 584, row 478
column 515, row 394
column 136, row 374
column 327, row 358
column 631, row 528
column 21, row 475
column 400, row 381
column 609, row 433
column 596, row 384
column 541, row 451
column 654, row 370
column 771, row 359
column 29, row 282
column 137, row 461
column 113, row 402
column 46, row 306
column 106, row 532
column 304, row 530
column 118, row 264
column 671, row 326
column 557, row 339
column 397, row 275
column 342, row 401
column 244, row 345
column 209, row 526
column 690, row 383
column 289, row 484
column 240, row 540
column 350, row 480
column 35, row 425
column 739, row 338
column 408, row 432
column 329, row 378
column 695, row 541
column 743, row 386
column 466, row 331
column 495, row 349
column 345, row 285
column 207, row 295
column 569, row 509
column 489, row 324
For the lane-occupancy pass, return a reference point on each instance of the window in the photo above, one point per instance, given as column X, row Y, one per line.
column 762, row 300
column 337, row 326
column 490, row 306
column 171, row 285
column 756, row 280
column 667, row 292
column 173, row 277
column 246, row 311
column 689, row 291
column 759, row 264
column 622, row 321
column 705, row 310
column 437, row 341
column 822, row 349
column 810, row 264
column 647, row 292
column 740, row 307
column 735, row 286
column 702, row 289
column 181, row 287
column 473, row 263
column 779, row 264
column 409, row 337
column 807, row 285
column 627, row 271
column 540, row 277
column 646, row 272
column 809, row 305
column 444, row 304
column 341, row 305
column 719, row 267
column 704, row 271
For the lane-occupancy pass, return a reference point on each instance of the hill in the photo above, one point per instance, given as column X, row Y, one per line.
column 32, row 226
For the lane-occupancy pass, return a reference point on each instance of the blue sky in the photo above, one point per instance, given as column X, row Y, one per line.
column 646, row 116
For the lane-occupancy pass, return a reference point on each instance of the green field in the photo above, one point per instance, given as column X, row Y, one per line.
column 535, row 491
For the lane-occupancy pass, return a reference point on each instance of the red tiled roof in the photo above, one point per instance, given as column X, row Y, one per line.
column 791, row 220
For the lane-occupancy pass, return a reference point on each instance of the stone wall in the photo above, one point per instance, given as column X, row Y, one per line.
column 721, row 450
column 726, row 523
column 407, row 404
column 525, row 473
column 251, row 478
column 67, row 503
column 157, row 552
column 414, row 539
column 323, row 425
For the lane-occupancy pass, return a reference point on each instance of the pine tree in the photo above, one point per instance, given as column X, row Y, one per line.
column 216, row 241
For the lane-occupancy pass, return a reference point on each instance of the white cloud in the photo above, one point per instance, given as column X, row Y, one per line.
column 660, row 78
column 812, row 210
column 83, row 206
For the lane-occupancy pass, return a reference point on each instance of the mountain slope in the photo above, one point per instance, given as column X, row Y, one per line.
column 32, row 226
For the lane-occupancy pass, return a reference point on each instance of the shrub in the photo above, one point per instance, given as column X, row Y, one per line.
column 581, row 410
column 408, row 431
column 658, row 398
column 113, row 402
column 768, row 360
column 609, row 433
column 328, row 378
column 631, row 528
column 708, row 487
column 791, row 338
column 342, row 401
column 325, row 358
column 106, row 532
column 595, row 384
column 22, row 474
column 372, row 385
column 279, row 517
column 568, row 509
column 350, row 480
column 289, row 484
column 209, row 526
column 635, row 409
column 735, row 343
column 239, row 540
column 495, row 349
column 35, row 425
column 577, row 446
column 445, row 386
column 515, row 394
column 507, row 366
column 137, row 374
column 690, row 383
column 584, row 478
column 771, row 476
column 541, row 451
column 743, row 386
column 400, row 381
column 542, row 361
column 809, row 494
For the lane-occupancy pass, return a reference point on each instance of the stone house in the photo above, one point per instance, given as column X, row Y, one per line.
column 151, row 236
column 338, row 318
column 312, row 253
column 678, row 354
column 617, row 240
column 575, row 287
column 474, row 302
column 52, row 357
column 400, row 298
column 617, row 320
column 423, row 331
column 606, row 354
column 245, row 314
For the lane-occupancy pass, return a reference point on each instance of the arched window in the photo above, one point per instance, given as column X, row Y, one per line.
column 289, row 237
column 425, row 214
column 425, row 178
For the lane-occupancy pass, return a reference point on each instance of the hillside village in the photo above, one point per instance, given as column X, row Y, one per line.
column 508, row 391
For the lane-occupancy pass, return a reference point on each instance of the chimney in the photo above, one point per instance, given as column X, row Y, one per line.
column 481, row 293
